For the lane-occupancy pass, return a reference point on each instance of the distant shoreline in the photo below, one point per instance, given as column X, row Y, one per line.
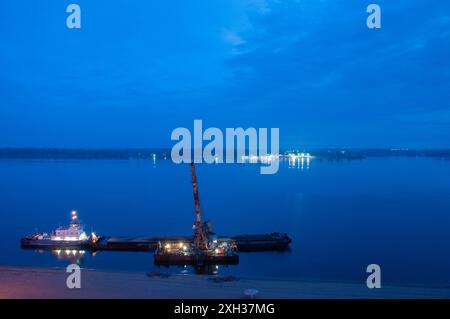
column 163, row 153
column 37, row 283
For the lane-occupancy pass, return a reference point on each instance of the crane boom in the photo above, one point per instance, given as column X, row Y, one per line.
column 200, row 238
column 196, row 197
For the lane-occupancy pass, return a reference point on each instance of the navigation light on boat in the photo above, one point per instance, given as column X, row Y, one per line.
column 83, row 236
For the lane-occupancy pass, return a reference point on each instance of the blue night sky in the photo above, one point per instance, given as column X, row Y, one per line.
column 138, row 69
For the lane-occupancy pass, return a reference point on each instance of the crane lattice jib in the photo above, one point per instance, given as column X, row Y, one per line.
column 200, row 239
column 196, row 197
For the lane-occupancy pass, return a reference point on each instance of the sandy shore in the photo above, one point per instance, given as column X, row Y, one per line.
column 16, row 282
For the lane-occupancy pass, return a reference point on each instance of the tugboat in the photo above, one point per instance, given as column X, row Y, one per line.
column 71, row 236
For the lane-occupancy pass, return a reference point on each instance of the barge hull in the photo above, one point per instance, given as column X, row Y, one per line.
column 244, row 243
column 170, row 259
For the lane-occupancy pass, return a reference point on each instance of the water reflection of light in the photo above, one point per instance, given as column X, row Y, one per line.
column 69, row 255
column 300, row 161
column 291, row 162
column 205, row 269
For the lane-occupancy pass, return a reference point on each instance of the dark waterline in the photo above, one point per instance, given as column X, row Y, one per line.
column 342, row 216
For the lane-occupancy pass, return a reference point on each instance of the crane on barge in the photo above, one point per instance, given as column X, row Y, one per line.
column 202, row 250
column 201, row 229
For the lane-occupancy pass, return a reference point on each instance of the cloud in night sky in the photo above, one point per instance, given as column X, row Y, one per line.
column 136, row 71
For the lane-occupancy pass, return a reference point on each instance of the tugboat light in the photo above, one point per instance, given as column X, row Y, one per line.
column 74, row 215
column 83, row 236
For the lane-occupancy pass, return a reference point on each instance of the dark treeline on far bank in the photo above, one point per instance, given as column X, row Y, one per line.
column 160, row 153
column 343, row 153
column 61, row 153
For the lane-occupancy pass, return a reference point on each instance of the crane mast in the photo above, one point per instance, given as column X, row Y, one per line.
column 200, row 237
